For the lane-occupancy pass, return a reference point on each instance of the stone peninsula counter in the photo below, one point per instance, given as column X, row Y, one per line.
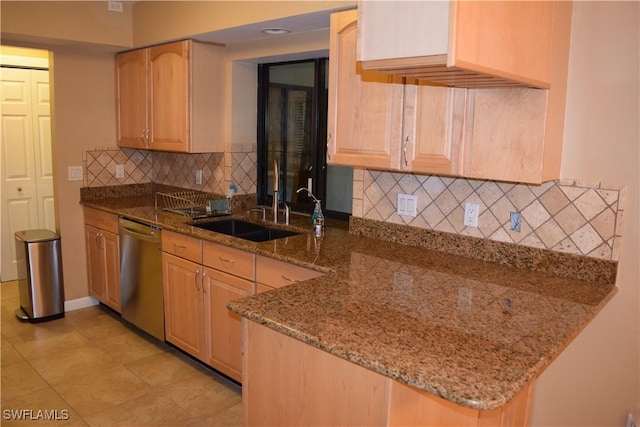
column 469, row 331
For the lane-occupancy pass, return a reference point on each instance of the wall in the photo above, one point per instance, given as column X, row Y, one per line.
column 83, row 116
column 54, row 23
column 156, row 21
column 597, row 379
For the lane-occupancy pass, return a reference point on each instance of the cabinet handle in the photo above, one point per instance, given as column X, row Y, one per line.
column 98, row 239
column 404, row 151
column 177, row 246
column 289, row 280
column 328, row 142
column 148, row 138
column 144, row 135
column 226, row 260
column 204, row 288
column 195, row 279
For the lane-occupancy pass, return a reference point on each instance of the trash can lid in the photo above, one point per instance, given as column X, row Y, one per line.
column 39, row 235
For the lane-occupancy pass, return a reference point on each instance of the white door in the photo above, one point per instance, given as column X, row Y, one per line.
column 25, row 159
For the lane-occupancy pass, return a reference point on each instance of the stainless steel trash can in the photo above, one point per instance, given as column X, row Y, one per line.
column 40, row 282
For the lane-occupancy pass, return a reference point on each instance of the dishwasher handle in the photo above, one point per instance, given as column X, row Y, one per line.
column 139, row 231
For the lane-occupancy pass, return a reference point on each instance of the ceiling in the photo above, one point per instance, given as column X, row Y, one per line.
column 248, row 33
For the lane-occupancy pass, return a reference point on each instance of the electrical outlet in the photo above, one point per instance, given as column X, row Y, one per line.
column 471, row 214
column 407, row 205
column 114, row 6
column 199, row 177
column 119, row 171
column 515, row 221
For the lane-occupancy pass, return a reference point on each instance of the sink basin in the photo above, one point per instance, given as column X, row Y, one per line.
column 245, row 230
column 230, row 227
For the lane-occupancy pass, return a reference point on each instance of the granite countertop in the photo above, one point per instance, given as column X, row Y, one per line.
column 470, row 331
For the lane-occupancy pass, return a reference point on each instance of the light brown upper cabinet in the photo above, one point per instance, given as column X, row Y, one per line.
column 377, row 121
column 516, row 134
column 459, row 43
column 170, row 97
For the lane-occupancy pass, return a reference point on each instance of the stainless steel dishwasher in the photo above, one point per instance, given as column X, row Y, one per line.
column 141, row 296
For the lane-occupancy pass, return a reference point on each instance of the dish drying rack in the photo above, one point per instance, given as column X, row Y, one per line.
column 190, row 203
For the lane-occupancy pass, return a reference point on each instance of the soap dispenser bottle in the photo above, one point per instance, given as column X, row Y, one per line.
column 317, row 218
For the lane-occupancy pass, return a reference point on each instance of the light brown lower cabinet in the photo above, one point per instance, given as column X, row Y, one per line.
column 196, row 296
column 103, row 256
column 183, row 304
column 200, row 278
column 223, row 327
column 287, row 382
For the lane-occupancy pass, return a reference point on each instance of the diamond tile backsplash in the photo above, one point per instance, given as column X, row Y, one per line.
column 142, row 166
column 575, row 217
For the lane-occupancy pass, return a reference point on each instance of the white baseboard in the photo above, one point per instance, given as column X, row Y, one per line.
column 76, row 304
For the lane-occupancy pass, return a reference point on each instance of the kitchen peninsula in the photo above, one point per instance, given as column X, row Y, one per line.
column 393, row 326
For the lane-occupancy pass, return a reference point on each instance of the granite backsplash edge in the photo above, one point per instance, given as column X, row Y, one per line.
column 239, row 202
column 524, row 257
column 532, row 259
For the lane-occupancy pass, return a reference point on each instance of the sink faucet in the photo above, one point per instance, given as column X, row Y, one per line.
column 275, row 205
column 276, row 191
column 287, row 212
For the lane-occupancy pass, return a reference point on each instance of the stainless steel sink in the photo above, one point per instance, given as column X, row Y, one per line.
column 245, row 230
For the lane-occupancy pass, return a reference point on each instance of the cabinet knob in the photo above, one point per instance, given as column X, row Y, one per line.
column 19, row 188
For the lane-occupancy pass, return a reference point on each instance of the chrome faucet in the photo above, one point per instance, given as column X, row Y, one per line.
column 287, row 212
column 276, row 191
column 276, row 197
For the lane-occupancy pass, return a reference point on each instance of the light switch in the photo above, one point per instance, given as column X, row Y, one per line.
column 75, row 173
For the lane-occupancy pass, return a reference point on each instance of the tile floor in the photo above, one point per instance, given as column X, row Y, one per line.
column 94, row 370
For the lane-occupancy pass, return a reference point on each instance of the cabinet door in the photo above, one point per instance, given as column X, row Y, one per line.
column 225, row 348
column 505, row 134
column 459, row 43
column 111, row 254
column 169, row 96
column 131, row 86
column 433, row 129
column 95, row 262
column 183, row 304
column 365, row 107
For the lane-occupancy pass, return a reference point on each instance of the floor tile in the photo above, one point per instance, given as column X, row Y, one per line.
column 19, row 379
column 149, row 410
column 33, row 344
column 42, row 400
column 9, row 290
column 92, row 369
column 9, row 354
column 97, row 392
column 101, row 327
column 129, row 347
column 206, row 395
column 73, row 363
column 165, row 368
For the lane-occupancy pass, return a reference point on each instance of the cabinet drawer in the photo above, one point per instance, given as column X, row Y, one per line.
column 277, row 274
column 102, row 220
column 182, row 245
column 230, row 260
